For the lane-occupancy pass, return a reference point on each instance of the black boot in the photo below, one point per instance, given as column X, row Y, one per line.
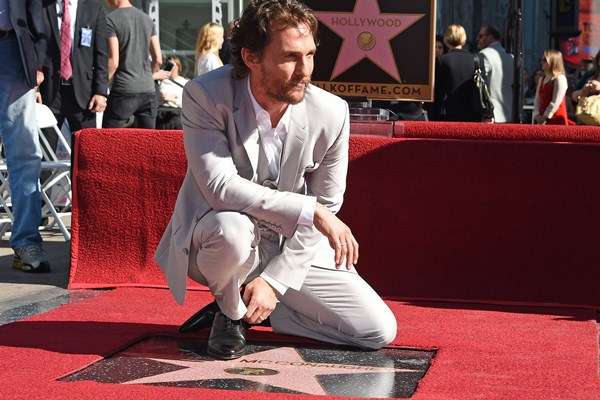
column 227, row 338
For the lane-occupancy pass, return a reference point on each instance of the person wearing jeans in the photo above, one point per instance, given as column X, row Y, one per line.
column 22, row 46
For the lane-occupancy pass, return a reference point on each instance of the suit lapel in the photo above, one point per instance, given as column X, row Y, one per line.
column 53, row 18
column 245, row 122
column 293, row 147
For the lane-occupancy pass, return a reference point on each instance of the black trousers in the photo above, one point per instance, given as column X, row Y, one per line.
column 65, row 106
column 122, row 108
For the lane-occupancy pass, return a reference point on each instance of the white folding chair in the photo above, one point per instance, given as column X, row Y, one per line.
column 60, row 169
column 6, row 216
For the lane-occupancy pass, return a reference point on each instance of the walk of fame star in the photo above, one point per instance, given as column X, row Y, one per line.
column 366, row 33
column 285, row 368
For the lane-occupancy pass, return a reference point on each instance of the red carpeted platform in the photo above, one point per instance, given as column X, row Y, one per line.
column 455, row 219
column 483, row 352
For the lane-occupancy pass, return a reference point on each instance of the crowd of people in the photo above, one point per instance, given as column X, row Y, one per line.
column 80, row 60
column 549, row 87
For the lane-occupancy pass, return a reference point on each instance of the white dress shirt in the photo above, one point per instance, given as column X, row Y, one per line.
column 272, row 140
column 73, row 12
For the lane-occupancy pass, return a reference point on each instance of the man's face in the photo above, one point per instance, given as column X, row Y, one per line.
column 483, row 38
column 286, row 64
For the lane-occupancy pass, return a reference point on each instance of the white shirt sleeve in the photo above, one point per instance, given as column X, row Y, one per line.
column 558, row 94
column 308, row 211
column 536, row 99
column 275, row 284
column 212, row 62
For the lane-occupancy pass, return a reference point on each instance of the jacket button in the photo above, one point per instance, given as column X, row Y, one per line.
column 186, row 251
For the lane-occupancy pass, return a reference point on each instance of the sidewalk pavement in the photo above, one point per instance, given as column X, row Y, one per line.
column 23, row 294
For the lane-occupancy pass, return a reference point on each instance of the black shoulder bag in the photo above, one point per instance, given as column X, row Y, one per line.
column 481, row 101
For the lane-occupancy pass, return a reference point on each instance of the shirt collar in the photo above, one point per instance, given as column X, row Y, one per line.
column 263, row 120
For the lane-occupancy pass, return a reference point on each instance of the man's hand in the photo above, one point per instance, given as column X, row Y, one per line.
column 39, row 77
column 161, row 74
column 339, row 235
column 97, row 103
column 592, row 87
column 260, row 301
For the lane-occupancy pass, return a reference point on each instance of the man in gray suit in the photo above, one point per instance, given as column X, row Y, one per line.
column 267, row 160
column 499, row 72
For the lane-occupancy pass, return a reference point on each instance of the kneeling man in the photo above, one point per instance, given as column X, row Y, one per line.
column 255, row 216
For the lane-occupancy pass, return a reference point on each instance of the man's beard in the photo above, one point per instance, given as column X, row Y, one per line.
column 286, row 92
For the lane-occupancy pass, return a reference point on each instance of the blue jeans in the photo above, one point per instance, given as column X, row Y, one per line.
column 21, row 145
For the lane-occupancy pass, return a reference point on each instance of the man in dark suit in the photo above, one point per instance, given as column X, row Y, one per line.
column 76, row 83
column 23, row 41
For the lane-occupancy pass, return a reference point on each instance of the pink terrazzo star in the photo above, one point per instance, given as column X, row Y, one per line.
column 366, row 33
column 285, row 369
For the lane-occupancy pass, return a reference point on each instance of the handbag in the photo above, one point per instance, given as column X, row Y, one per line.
column 481, row 100
column 588, row 110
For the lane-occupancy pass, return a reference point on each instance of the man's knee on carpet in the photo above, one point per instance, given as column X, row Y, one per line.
column 376, row 330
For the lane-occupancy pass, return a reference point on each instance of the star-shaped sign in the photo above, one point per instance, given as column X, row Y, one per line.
column 366, row 33
column 280, row 367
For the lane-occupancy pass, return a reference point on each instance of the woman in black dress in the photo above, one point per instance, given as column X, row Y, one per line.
column 454, row 85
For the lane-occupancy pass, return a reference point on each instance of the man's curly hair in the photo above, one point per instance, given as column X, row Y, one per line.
column 253, row 29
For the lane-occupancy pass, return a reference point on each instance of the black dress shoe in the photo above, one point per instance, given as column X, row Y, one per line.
column 202, row 319
column 227, row 338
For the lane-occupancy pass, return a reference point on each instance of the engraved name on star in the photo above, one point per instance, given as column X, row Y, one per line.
column 366, row 33
column 285, row 368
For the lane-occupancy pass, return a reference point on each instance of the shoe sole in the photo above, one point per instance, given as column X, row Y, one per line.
column 221, row 356
column 21, row 266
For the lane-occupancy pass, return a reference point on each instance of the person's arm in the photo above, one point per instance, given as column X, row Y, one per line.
column 558, row 94
column 536, row 99
column 113, row 56
column 486, row 68
column 100, row 81
column 155, row 53
column 37, row 27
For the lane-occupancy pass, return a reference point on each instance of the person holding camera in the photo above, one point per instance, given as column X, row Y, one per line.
column 170, row 91
column 171, row 88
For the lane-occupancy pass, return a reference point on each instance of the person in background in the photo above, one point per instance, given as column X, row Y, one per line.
column 549, row 104
column 589, row 84
column 171, row 89
column 209, row 42
column 131, row 38
column 440, row 46
column 76, row 84
column 498, row 69
column 434, row 113
column 225, row 52
column 23, row 41
column 454, row 86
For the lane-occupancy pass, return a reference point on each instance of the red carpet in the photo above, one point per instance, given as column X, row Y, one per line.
column 490, row 353
column 476, row 220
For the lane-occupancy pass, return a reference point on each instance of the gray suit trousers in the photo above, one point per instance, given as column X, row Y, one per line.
column 335, row 306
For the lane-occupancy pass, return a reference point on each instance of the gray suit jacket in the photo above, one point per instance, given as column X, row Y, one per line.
column 222, row 145
column 499, row 71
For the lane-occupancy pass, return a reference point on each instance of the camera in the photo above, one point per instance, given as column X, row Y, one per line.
column 168, row 65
